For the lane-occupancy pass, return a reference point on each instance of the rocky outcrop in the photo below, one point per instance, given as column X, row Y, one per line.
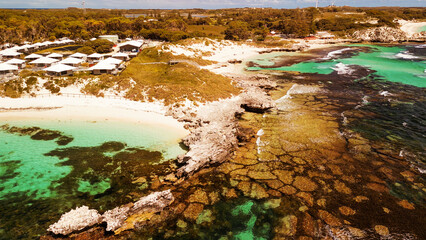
column 75, row 220
column 213, row 137
column 117, row 219
column 214, row 128
column 380, row 34
column 421, row 36
column 256, row 100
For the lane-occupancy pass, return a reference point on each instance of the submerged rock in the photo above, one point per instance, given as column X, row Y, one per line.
column 75, row 220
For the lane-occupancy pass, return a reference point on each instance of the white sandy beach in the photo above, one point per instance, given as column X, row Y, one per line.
column 410, row 27
column 88, row 109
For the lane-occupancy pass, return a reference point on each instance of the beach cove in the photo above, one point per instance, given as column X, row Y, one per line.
column 58, row 152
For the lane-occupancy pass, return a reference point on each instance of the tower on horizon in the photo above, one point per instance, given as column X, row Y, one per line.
column 83, row 4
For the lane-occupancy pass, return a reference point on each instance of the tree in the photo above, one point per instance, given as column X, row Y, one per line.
column 237, row 30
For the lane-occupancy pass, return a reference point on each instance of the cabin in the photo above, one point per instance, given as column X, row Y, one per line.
column 114, row 61
column 33, row 57
column 112, row 38
column 10, row 54
column 59, row 70
column 17, row 62
column 71, row 61
column 8, row 69
column 44, row 62
column 121, row 56
column 94, row 58
column 55, row 56
column 324, row 35
column 104, row 68
column 79, row 56
column 130, row 46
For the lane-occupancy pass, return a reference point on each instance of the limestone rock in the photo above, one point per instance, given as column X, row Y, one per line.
column 154, row 202
column 75, row 220
column 115, row 218
column 346, row 210
column 406, row 204
column 304, row 184
column 256, row 100
column 289, row 190
column 199, row 196
column 287, row 226
column 284, row 176
column 329, row 218
column 381, row 230
column 380, row 34
column 193, row 211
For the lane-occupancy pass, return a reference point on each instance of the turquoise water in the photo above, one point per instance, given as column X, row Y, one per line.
column 421, row 29
column 383, row 60
column 35, row 171
column 40, row 179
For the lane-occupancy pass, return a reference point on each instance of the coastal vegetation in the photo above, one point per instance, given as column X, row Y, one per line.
column 33, row 25
column 155, row 78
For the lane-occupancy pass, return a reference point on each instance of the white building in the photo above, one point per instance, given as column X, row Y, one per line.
column 7, row 68
column 33, row 57
column 95, row 57
column 130, row 46
column 17, row 62
column 122, row 56
column 59, row 70
column 79, row 55
column 112, row 38
column 71, row 61
column 55, row 56
column 104, row 68
column 44, row 62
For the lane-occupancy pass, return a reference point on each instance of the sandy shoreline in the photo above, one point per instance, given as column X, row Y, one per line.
column 411, row 27
column 88, row 109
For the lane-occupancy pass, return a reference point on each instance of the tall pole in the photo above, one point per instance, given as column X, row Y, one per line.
column 316, row 5
column 84, row 7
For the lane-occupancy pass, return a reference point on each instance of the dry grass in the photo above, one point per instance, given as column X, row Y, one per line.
column 174, row 83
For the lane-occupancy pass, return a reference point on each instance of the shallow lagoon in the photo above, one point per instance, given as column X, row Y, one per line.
column 41, row 179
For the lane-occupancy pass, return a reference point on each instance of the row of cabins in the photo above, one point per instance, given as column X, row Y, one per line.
column 17, row 51
column 55, row 63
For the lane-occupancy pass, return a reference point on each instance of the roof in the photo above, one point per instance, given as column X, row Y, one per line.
column 103, row 66
column 95, row 55
column 55, row 55
column 33, row 56
column 59, row 68
column 120, row 55
column 7, row 67
column 44, row 60
column 79, row 55
column 10, row 52
column 111, row 60
column 137, row 44
column 109, row 36
column 71, row 60
column 15, row 61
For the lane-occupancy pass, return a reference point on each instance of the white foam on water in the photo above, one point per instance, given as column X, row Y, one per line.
column 335, row 53
column 385, row 93
column 405, row 55
column 343, row 69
